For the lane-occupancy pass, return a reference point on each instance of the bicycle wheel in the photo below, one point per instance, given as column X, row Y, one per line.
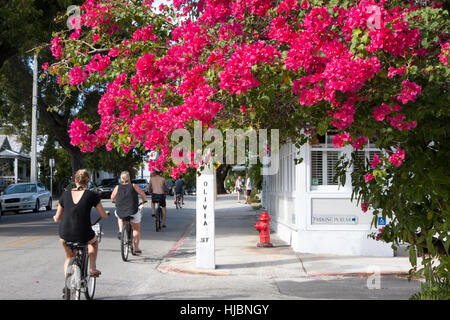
column 73, row 280
column 90, row 282
column 130, row 239
column 124, row 242
column 158, row 219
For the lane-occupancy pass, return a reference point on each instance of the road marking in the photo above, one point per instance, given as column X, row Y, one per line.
column 9, row 242
column 22, row 241
column 179, row 242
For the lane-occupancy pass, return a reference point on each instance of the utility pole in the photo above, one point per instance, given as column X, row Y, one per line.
column 33, row 172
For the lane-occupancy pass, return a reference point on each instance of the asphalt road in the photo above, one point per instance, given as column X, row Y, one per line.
column 31, row 266
column 32, row 257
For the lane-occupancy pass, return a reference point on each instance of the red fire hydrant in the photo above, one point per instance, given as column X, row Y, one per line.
column 263, row 226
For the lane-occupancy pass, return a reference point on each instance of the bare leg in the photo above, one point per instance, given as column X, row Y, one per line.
column 120, row 224
column 164, row 210
column 69, row 254
column 93, row 250
column 136, row 235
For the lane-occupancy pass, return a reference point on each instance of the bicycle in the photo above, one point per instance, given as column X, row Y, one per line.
column 177, row 201
column 126, row 236
column 158, row 216
column 78, row 279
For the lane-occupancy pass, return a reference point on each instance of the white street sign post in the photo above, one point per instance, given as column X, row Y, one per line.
column 205, row 227
column 33, row 169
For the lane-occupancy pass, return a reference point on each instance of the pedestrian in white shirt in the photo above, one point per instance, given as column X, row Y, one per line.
column 248, row 186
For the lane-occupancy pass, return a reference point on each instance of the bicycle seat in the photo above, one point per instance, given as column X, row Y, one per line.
column 76, row 245
column 129, row 218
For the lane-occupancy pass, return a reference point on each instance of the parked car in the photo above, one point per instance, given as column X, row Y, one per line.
column 191, row 192
column 25, row 196
column 106, row 187
column 91, row 186
column 142, row 183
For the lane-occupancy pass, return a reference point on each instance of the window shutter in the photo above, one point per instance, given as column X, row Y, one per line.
column 332, row 159
column 316, row 168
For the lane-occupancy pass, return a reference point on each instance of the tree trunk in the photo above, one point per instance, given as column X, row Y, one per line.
column 58, row 125
column 221, row 174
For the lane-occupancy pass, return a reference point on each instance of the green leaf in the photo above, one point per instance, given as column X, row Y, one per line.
column 322, row 127
column 413, row 256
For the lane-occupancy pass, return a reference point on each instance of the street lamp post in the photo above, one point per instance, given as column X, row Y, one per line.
column 33, row 169
column 52, row 164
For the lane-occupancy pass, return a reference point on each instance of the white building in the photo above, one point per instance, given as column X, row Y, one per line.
column 310, row 211
column 14, row 163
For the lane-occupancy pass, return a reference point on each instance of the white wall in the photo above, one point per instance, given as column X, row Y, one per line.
column 292, row 202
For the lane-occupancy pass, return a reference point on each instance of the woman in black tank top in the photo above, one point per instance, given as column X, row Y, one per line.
column 126, row 197
column 74, row 215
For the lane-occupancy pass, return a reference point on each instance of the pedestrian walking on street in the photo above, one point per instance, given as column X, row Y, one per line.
column 248, row 189
column 127, row 204
column 238, row 187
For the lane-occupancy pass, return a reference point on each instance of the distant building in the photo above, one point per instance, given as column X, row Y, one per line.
column 14, row 163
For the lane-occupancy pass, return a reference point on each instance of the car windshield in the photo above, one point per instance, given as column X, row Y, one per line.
column 20, row 188
column 139, row 181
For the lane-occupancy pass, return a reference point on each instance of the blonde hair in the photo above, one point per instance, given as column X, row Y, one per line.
column 82, row 177
column 124, row 177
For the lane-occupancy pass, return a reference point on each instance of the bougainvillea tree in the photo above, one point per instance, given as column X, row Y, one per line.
column 366, row 70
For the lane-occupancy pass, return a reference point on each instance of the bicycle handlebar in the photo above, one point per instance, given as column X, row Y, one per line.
column 100, row 218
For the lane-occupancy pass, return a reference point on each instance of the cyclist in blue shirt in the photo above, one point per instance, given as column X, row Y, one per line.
column 179, row 190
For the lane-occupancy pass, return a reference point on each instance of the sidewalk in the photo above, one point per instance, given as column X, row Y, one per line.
column 237, row 253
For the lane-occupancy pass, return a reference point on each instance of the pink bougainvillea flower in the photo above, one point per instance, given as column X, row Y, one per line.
column 77, row 76
column 364, row 206
column 368, row 177
column 145, row 68
column 340, row 139
column 56, row 48
column 359, row 143
column 375, row 161
column 98, row 63
column 409, row 92
column 396, row 71
column 443, row 57
column 114, row 52
column 397, row 158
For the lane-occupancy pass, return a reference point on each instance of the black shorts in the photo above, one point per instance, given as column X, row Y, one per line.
column 161, row 198
column 249, row 192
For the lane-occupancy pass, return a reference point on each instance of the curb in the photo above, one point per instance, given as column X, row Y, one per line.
column 359, row 274
column 171, row 269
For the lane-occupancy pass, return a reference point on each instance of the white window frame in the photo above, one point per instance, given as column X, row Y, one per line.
column 324, row 148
